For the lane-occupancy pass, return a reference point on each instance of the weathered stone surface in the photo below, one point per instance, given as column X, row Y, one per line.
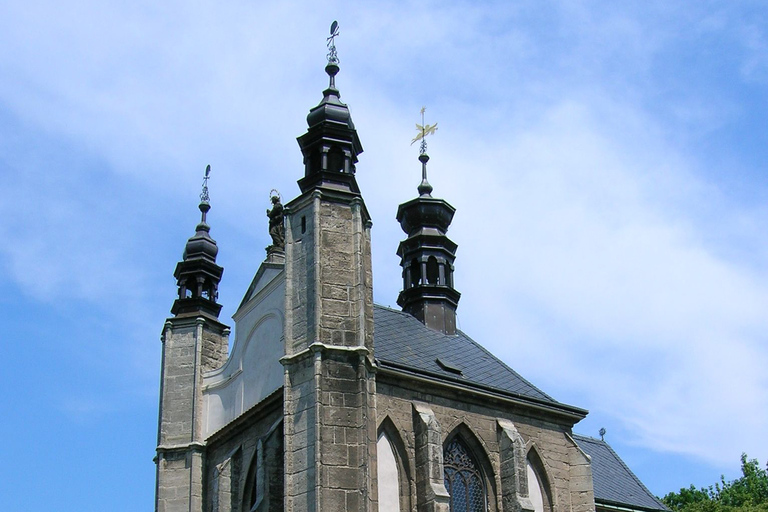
column 513, row 469
column 431, row 494
column 330, row 403
column 191, row 346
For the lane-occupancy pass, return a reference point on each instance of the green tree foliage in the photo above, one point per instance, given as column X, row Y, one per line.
column 746, row 494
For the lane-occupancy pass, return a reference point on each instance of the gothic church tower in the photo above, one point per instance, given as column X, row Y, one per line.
column 329, row 404
column 194, row 341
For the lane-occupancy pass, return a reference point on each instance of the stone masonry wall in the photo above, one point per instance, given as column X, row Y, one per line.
column 189, row 345
column 214, row 351
column 567, row 469
column 300, row 406
column 329, row 405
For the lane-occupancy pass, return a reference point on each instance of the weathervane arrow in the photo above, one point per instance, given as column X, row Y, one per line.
column 204, row 194
column 331, row 42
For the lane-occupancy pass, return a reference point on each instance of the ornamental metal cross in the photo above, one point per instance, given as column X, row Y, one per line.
column 331, row 42
column 204, row 194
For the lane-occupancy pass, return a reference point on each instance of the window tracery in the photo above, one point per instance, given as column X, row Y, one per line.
column 463, row 478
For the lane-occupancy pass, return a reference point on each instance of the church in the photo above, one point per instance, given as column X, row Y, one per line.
column 329, row 402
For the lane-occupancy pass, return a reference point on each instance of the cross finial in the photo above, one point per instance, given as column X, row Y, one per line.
column 204, row 194
column 331, row 42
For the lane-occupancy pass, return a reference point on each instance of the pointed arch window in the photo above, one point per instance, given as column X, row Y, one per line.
column 463, row 478
column 264, row 481
column 255, row 479
column 538, row 484
column 388, row 475
column 534, row 490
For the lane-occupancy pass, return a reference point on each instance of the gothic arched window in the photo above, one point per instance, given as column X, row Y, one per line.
column 388, row 474
column 534, row 489
column 538, row 485
column 463, row 479
column 255, row 479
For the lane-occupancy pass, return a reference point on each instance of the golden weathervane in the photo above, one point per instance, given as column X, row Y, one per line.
column 424, row 130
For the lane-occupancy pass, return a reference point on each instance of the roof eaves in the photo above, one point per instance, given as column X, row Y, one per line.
column 574, row 413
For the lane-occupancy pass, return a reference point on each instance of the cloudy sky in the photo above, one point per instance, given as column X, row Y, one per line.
column 607, row 161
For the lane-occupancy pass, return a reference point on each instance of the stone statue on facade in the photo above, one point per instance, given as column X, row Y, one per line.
column 276, row 226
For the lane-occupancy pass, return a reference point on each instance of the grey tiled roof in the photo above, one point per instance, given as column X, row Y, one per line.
column 613, row 481
column 403, row 342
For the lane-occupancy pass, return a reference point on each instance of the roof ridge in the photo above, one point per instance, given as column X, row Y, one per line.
column 587, row 438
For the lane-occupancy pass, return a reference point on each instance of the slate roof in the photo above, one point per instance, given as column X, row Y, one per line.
column 614, row 482
column 402, row 342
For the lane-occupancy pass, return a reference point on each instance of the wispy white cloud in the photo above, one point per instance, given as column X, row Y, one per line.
column 593, row 226
column 627, row 299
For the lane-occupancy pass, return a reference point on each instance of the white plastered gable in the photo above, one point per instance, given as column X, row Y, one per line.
column 253, row 370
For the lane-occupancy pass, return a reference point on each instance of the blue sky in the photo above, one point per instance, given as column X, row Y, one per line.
column 607, row 161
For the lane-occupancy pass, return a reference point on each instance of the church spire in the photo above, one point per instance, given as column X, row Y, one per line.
column 328, row 322
column 198, row 275
column 427, row 254
column 331, row 145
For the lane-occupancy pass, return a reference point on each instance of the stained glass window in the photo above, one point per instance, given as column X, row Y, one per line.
column 463, row 479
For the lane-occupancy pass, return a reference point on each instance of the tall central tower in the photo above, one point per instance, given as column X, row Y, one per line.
column 329, row 404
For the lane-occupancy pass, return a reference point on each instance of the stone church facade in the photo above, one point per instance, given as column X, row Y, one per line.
column 328, row 402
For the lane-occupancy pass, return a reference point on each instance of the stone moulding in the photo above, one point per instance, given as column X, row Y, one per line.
column 322, row 347
column 574, row 414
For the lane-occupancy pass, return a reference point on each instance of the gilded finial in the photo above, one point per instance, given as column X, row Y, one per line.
column 204, row 194
column 424, row 130
column 331, row 42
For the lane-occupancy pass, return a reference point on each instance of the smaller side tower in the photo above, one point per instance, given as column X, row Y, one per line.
column 427, row 254
column 194, row 342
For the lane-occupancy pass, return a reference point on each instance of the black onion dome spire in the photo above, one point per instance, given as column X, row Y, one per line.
column 198, row 275
column 427, row 256
column 201, row 245
column 330, row 108
column 331, row 144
